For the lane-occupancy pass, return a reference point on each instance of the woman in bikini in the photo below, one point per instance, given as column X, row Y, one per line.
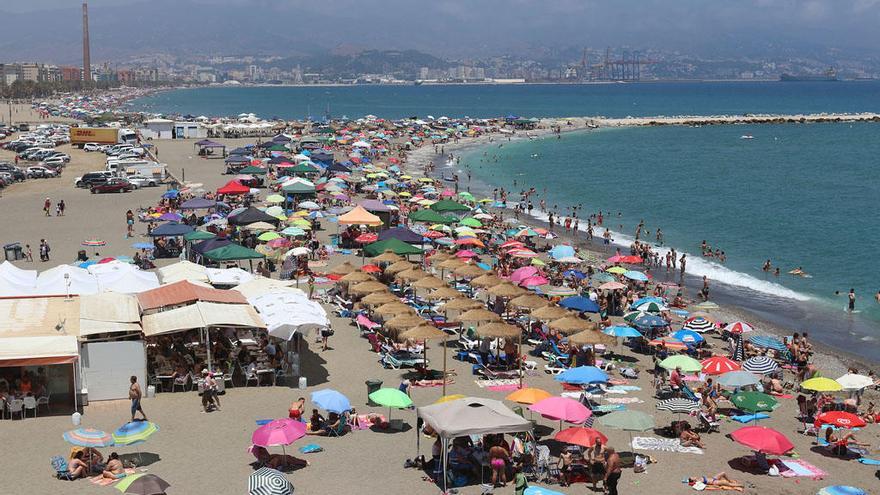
column 720, row 480
column 498, row 457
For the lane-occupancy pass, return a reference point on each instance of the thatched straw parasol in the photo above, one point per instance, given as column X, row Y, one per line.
column 387, row 257
column 404, row 322
column 591, row 337
column 463, row 304
column 440, row 256
column 357, row 277
column 468, row 271
column 424, row 331
column 400, row 266
column 506, row 290
column 393, row 309
column 344, row 269
column 487, row 279
column 445, row 292
column 529, row 301
column 412, row 274
column 368, row 287
column 550, row 313
column 479, row 315
column 379, row 298
column 429, row 282
column 571, row 324
column 499, row 330
column 451, row 264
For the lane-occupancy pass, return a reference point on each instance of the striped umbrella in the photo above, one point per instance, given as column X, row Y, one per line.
column 718, row 365
column 678, row 405
column 94, row 242
column 268, row 481
column 739, row 327
column 88, row 437
column 135, row 432
column 761, row 365
column 767, row 342
column 142, row 484
column 651, row 307
column 739, row 352
column 699, row 325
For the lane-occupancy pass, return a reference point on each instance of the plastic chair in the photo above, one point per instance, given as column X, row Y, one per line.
column 43, row 400
column 16, row 406
column 30, row 404
column 182, row 382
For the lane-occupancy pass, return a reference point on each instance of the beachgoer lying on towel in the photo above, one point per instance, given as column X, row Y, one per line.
column 275, row 461
column 364, row 421
column 433, row 383
column 115, row 470
column 689, row 438
column 840, row 444
column 721, row 480
column 77, row 467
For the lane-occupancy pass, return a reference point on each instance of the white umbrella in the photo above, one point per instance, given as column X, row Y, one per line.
column 852, row 381
column 298, row 251
column 309, row 205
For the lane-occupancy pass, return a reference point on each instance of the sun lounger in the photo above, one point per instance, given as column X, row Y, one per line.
column 399, row 361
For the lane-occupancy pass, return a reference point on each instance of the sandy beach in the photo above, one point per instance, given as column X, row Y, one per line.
column 205, row 453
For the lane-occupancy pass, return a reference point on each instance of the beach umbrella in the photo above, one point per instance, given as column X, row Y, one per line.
column 463, row 304
column 88, row 437
column 632, row 316
column 429, row 282
column 278, row 432
column 852, row 381
column 393, row 309
column 387, row 257
column 765, row 341
column 840, row 419
column 443, row 293
column 412, row 274
column 699, row 325
column 763, row 439
column 366, row 238
column 617, row 270
column 679, row 405
column 582, row 375
column 571, row 324
column 753, row 402
column 706, row 306
column 687, row 364
column 636, row 275
column 344, row 268
column 142, row 484
column 378, row 298
column 356, row 277
column 761, row 365
column 739, row 350
column 840, row 490
column 506, row 290
column 143, row 245
column 449, row 398
column 529, row 301
column 613, row 285
column 528, row 395
column 562, row 409
column 580, row 303
column 628, row 420
column 550, row 313
column 400, row 266
column 591, row 337
column 479, row 315
column 651, row 307
column 669, row 343
column 719, row 365
column 579, row 435
column 331, row 401
column 368, row 287
column 739, row 327
column 268, row 481
column 622, row 331
column 391, row 398
column 821, row 384
column 737, row 379
column 268, row 236
column 688, row 336
column 649, row 321
column 134, row 432
column 533, row 281
column 275, row 198
column 94, row 242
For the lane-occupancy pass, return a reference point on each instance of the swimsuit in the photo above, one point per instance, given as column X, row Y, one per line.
column 497, row 463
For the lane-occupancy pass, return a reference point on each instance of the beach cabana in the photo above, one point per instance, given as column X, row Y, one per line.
column 171, row 229
column 469, row 416
column 198, row 204
column 252, row 215
column 234, row 187
column 394, row 245
column 206, row 147
column 359, row 216
column 402, row 234
column 430, row 216
column 447, row 205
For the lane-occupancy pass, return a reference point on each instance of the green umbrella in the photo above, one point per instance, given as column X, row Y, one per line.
column 232, row 252
column 395, row 245
column 251, row 170
column 198, row 235
column 142, row 484
column 471, row 222
column 753, row 402
column 269, row 236
column 628, row 421
column 430, row 216
column 275, row 198
column 448, row 205
column 466, row 196
column 391, row 398
column 633, row 316
column 685, row 363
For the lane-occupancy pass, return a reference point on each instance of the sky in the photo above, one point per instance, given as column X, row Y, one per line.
column 467, row 27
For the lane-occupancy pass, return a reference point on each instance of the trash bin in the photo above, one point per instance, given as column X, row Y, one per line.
column 13, row 251
column 372, row 386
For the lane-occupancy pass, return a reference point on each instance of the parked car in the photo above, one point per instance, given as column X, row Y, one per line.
column 94, row 147
column 93, row 178
column 14, row 172
column 112, row 185
column 139, row 180
column 38, row 172
column 57, row 159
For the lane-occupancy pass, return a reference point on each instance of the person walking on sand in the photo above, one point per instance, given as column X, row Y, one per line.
column 47, row 207
column 129, row 222
column 683, row 261
column 61, row 208
column 44, row 250
column 134, row 393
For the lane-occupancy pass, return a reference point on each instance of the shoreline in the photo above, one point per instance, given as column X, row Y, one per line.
column 826, row 357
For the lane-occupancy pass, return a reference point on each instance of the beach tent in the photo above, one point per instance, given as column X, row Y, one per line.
column 359, row 216
column 66, row 279
column 109, row 312
column 468, row 416
column 232, row 252
column 252, row 215
column 394, row 245
column 228, row 276
column 201, row 315
column 375, row 205
column 182, row 270
column 234, row 187
column 430, row 216
column 171, row 229
column 403, row 234
column 198, row 235
column 127, row 280
column 287, row 313
column 338, row 167
column 252, row 170
column 198, row 203
column 260, row 285
column 17, row 276
column 210, row 244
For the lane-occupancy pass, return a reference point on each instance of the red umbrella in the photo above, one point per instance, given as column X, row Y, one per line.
column 762, row 439
column 585, row 437
column 718, row 365
column 840, row 419
column 512, row 244
column 370, row 269
column 433, row 234
column 366, row 238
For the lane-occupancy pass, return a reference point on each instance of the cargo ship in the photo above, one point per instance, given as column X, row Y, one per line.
column 828, row 75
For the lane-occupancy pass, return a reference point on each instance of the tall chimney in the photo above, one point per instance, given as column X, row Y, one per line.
column 87, row 62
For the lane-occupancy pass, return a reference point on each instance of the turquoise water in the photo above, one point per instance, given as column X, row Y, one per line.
column 800, row 195
column 546, row 100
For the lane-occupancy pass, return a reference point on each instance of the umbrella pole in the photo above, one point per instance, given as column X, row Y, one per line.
column 519, row 359
column 444, row 366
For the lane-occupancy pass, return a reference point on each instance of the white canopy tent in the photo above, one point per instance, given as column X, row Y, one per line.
column 228, row 276
column 261, row 285
column 16, row 275
column 109, row 312
column 286, row 313
column 182, row 270
column 66, row 279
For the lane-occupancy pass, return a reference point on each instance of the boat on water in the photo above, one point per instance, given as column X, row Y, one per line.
column 747, row 136
column 828, row 75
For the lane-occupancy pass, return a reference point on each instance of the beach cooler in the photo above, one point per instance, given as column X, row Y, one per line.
column 303, row 382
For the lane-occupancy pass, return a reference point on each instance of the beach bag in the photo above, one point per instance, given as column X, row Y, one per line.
column 640, row 464
column 774, row 470
column 311, row 448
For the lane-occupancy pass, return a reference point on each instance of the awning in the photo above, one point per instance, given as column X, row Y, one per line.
column 110, row 306
column 185, row 292
column 39, row 316
column 201, row 315
column 38, row 351
column 93, row 327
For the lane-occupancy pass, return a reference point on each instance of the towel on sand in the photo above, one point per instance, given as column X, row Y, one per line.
column 800, row 467
column 869, row 462
column 663, row 444
column 712, row 488
column 102, row 481
column 745, row 418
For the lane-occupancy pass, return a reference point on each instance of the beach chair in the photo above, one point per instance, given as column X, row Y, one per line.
column 183, row 382
column 59, row 465
column 559, row 354
column 542, row 463
column 399, row 361
column 342, row 428
column 250, row 377
column 497, row 374
column 709, row 424
column 688, row 393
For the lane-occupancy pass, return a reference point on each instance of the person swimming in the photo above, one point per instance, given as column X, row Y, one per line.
column 799, row 271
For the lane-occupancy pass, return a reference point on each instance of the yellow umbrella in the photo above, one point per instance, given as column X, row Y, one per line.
column 269, row 236
column 821, row 384
column 617, row 270
column 528, row 395
column 448, row 398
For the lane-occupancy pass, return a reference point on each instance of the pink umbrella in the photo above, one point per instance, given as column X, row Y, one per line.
column 612, row 286
column 562, row 409
column 447, row 193
column 762, row 439
column 533, row 281
column 465, row 253
column 523, row 273
column 277, row 243
column 278, row 432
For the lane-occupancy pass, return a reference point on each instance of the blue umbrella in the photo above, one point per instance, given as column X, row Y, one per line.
column 648, row 321
column 648, row 299
column 688, row 336
column 561, row 251
column 580, row 303
column 171, row 194
column 575, row 274
column 331, row 401
column 634, row 275
column 582, row 375
column 768, row 342
column 622, row 331
column 143, row 245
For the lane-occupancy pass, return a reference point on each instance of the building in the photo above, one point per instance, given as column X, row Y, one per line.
column 71, row 74
column 169, row 129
